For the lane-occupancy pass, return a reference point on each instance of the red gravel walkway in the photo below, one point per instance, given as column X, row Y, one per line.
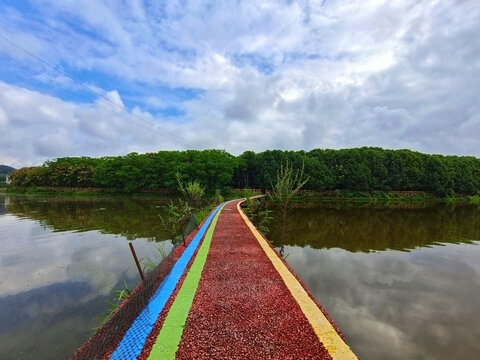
column 242, row 308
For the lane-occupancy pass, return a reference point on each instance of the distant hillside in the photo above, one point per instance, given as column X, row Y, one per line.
column 5, row 170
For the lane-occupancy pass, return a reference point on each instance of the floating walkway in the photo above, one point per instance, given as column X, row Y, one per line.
column 227, row 296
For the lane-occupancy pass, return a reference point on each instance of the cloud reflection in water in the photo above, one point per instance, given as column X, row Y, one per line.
column 422, row 304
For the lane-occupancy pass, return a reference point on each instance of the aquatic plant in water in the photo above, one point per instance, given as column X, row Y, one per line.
column 149, row 265
column 119, row 296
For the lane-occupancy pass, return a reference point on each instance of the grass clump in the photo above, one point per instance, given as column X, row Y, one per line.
column 119, row 296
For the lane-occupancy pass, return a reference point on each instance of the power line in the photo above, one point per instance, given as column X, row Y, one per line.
column 32, row 72
column 88, row 88
column 23, row 67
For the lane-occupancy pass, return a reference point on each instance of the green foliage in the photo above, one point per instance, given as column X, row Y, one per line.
column 252, row 206
column 247, row 193
column 288, row 183
column 119, row 296
column 148, row 264
column 474, row 199
column 27, row 176
column 257, row 212
column 122, row 294
column 192, row 191
column 218, row 199
column 367, row 197
column 359, row 169
column 262, row 220
column 200, row 215
column 177, row 217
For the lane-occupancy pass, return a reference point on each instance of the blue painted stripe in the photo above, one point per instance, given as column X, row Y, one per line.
column 134, row 339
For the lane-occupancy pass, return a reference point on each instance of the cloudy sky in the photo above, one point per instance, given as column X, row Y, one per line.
column 111, row 77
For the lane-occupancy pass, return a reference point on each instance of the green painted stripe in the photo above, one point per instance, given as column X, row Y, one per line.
column 170, row 335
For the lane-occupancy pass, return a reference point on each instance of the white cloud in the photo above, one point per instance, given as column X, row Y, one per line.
column 397, row 74
column 44, row 127
column 3, row 117
column 393, row 298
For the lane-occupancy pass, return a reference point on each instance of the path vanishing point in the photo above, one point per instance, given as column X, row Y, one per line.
column 227, row 295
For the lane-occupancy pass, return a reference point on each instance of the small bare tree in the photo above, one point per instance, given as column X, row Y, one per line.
column 288, row 183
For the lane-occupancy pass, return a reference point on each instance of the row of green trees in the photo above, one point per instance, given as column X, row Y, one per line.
column 365, row 169
column 213, row 169
column 361, row 169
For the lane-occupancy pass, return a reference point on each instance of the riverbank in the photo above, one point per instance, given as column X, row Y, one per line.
column 379, row 198
column 305, row 198
column 94, row 192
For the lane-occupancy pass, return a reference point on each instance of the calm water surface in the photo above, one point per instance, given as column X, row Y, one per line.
column 60, row 259
column 400, row 283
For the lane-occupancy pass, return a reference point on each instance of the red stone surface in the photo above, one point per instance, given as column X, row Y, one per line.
column 242, row 308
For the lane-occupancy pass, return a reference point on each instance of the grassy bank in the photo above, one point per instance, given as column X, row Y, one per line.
column 379, row 198
column 43, row 191
column 349, row 196
column 337, row 196
column 383, row 198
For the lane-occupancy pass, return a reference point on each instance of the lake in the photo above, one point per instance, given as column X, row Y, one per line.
column 401, row 283
column 60, row 259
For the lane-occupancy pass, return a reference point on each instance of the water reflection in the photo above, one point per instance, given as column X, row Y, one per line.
column 61, row 257
column 55, row 275
column 424, row 304
column 368, row 229
column 131, row 218
column 401, row 284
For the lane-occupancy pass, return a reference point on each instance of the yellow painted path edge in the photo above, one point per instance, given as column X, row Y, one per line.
column 325, row 332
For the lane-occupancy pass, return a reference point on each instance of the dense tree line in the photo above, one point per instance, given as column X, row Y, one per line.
column 361, row 169
column 366, row 169
column 213, row 169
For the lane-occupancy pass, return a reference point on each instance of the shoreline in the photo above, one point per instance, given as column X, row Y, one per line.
column 334, row 197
